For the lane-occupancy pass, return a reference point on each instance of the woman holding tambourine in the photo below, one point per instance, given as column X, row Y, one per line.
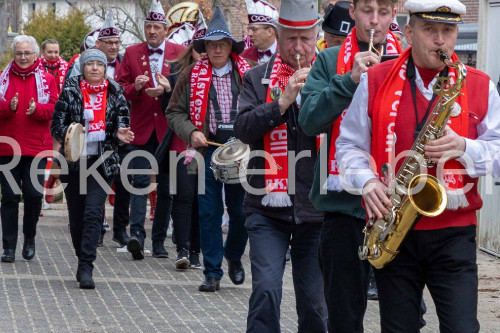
column 93, row 107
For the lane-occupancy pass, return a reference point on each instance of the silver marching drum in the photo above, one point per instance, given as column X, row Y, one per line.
column 73, row 142
column 229, row 161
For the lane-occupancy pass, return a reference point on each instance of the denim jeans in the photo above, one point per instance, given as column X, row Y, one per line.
column 444, row 260
column 10, row 201
column 138, row 201
column 211, row 209
column 345, row 276
column 85, row 214
column 269, row 240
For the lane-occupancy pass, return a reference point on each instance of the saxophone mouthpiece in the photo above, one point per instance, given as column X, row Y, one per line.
column 443, row 56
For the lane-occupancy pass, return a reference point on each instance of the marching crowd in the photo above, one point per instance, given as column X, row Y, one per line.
column 309, row 99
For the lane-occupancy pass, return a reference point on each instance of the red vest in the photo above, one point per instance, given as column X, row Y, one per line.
column 477, row 90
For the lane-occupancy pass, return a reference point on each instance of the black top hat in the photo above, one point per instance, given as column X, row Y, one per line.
column 217, row 29
column 337, row 20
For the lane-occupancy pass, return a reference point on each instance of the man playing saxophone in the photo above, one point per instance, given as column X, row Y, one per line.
column 393, row 100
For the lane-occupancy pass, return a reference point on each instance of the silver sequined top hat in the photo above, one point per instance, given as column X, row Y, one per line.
column 108, row 29
column 93, row 55
column 90, row 38
column 445, row 11
column 337, row 20
column 217, row 29
column 156, row 13
column 298, row 14
column 261, row 12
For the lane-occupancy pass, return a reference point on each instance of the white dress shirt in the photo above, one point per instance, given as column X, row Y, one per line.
column 272, row 48
column 356, row 135
column 156, row 61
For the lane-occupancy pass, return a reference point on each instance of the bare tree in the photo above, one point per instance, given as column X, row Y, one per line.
column 4, row 25
column 131, row 21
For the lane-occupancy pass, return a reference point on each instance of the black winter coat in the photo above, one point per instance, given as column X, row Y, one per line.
column 256, row 118
column 69, row 109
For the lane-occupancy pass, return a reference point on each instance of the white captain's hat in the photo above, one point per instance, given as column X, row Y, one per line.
column 445, row 11
column 261, row 12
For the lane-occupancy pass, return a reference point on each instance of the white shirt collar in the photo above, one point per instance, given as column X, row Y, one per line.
column 220, row 72
column 426, row 91
column 162, row 47
column 272, row 48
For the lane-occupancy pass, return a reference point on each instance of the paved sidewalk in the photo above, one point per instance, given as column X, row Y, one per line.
column 150, row 295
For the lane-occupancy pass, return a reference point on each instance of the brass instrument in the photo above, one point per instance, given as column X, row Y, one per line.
column 297, row 57
column 372, row 48
column 412, row 193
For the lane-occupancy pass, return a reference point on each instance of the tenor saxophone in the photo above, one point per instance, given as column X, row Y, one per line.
column 412, row 192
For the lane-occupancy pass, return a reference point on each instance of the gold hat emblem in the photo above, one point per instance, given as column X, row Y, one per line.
column 443, row 9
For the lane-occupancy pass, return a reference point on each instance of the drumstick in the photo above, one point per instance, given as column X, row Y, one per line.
column 215, row 144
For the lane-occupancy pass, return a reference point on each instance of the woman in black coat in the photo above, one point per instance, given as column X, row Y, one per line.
column 97, row 103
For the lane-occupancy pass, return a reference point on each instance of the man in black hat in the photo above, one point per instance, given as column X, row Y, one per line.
column 336, row 25
column 202, row 108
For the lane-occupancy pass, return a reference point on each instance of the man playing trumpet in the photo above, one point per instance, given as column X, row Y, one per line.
column 328, row 92
column 279, row 213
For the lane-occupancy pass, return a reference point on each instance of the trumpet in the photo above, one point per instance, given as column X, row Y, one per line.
column 379, row 52
column 297, row 57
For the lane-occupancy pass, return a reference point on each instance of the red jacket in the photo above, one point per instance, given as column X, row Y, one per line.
column 31, row 132
column 146, row 113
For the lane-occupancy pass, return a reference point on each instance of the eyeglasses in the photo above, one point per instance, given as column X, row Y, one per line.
column 118, row 43
column 255, row 29
column 25, row 54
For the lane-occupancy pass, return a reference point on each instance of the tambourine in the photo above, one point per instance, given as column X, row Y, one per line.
column 73, row 142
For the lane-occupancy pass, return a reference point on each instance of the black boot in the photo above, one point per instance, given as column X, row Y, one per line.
column 210, row 284
column 121, row 238
column 9, row 255
column 84, row 276
column 182, row 261
column 29, row 248
column 159, row 250
column 136, row 247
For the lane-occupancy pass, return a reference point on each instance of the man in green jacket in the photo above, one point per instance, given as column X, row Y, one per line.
column 328, row 92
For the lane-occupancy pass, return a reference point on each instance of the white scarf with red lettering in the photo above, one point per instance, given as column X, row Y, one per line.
column 385, row 110
column 276, row 145
column 62, row 66
column 42, row 88
column 95, row 112
column 201, row 77
column 345, row 62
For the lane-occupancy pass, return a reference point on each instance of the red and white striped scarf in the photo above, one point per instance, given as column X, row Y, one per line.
column 95, row 112
column 42, row 87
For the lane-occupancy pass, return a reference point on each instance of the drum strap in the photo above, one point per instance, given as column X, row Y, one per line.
column 212, row 94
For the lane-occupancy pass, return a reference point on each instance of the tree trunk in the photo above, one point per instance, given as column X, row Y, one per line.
column 4, row 25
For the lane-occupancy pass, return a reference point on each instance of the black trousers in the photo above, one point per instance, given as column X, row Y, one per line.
column 138, row 201
column 185, row 210
column 345, row 276
column 10, row 200
column 444, row 260
column 85, row 214
column 122, row 202
column 269, row 240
